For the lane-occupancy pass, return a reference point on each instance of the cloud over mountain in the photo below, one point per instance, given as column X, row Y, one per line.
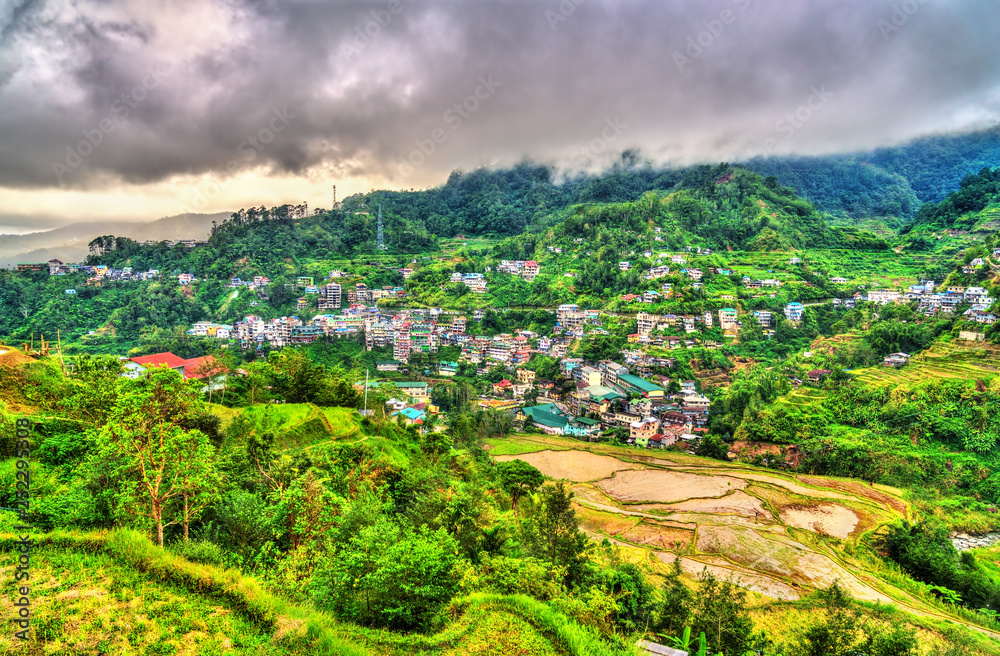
column 95, row 93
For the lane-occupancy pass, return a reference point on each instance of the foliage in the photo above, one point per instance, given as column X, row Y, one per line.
column 158, row 469
column 926, row 553
column 389, row 575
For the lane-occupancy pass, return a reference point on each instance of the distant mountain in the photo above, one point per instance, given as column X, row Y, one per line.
column 886, row 182
column 69, row 243
column 723, row 207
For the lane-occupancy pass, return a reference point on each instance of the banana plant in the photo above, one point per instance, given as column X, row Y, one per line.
column 683, row 642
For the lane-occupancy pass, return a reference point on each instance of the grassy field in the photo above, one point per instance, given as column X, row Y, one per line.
column 296, row 425
column 116, row 593
column 85, row 602
column 804, row 401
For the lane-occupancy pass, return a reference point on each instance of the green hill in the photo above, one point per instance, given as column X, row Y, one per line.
column 117, row 593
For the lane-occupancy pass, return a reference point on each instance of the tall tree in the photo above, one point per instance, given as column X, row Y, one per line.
column 675, row 609
column 156, row 469
column 519, row 478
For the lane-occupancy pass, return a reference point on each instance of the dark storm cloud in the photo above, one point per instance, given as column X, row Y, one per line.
column 94, row 92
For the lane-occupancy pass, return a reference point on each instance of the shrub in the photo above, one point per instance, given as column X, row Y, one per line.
column 390, row 576
column 199, row 552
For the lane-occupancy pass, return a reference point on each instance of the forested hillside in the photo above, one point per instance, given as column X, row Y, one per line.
column 719, row 207
column 961, row 209
column 886, row 182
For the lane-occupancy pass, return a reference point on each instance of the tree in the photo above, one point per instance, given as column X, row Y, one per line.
column 845, row 631
column 712, row 446
column 390, row 576
column 562, row 543
column 720, row 610
column 518, row 478
column 633, row 596
column 95, row 385
column 258, row 381
column 675, row 609
column 156, row 468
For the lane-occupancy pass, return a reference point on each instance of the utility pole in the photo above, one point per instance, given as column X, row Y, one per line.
column 62, row 364
column 365, row 412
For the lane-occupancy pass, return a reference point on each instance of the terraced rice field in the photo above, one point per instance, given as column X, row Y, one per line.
column 780, row 536
column 946, row 360
column 769, row 528
column 803, row 401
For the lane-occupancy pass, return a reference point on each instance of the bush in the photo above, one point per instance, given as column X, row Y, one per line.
column 390, row 576
column 199, row 551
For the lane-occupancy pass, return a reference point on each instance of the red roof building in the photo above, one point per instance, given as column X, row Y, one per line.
column 200, row 367
column 161, row 360
column 193, row 368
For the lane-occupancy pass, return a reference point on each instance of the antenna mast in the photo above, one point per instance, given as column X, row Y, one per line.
column 334, row 206
column 381, row 236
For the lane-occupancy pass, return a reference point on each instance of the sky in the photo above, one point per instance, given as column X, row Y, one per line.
column 135, row 110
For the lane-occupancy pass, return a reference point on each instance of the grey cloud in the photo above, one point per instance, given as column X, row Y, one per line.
column 564, row 68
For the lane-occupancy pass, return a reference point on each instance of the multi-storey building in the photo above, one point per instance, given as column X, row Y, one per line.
column 728, row 320
column 764, row 318
column 329, row 297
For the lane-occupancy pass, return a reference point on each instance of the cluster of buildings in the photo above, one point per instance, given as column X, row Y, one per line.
column 527, row 269
column 258, row 282
column 607, row 395
column 754, row 283
column 647, row 322
column 209, row 329
column 571, row 319
column 277, row 332
column 476, row 282
column 95, row 273
column 930, row 302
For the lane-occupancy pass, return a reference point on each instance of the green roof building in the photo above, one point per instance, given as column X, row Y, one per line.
column 640, row 386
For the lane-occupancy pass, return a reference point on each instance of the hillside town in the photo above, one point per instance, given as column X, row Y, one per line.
column 633, row 396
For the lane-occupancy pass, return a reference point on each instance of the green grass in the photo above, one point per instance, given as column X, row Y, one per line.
column 119, row 593
column 297, row 425
column 84, row 601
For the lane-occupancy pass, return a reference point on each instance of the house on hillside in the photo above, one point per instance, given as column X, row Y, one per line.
column 411, row 416
column 205, row 368
column 896, row 359
column 817, row 375
column 634, row 385
column 414, row 389
column 502, row 386
column 727, row 319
